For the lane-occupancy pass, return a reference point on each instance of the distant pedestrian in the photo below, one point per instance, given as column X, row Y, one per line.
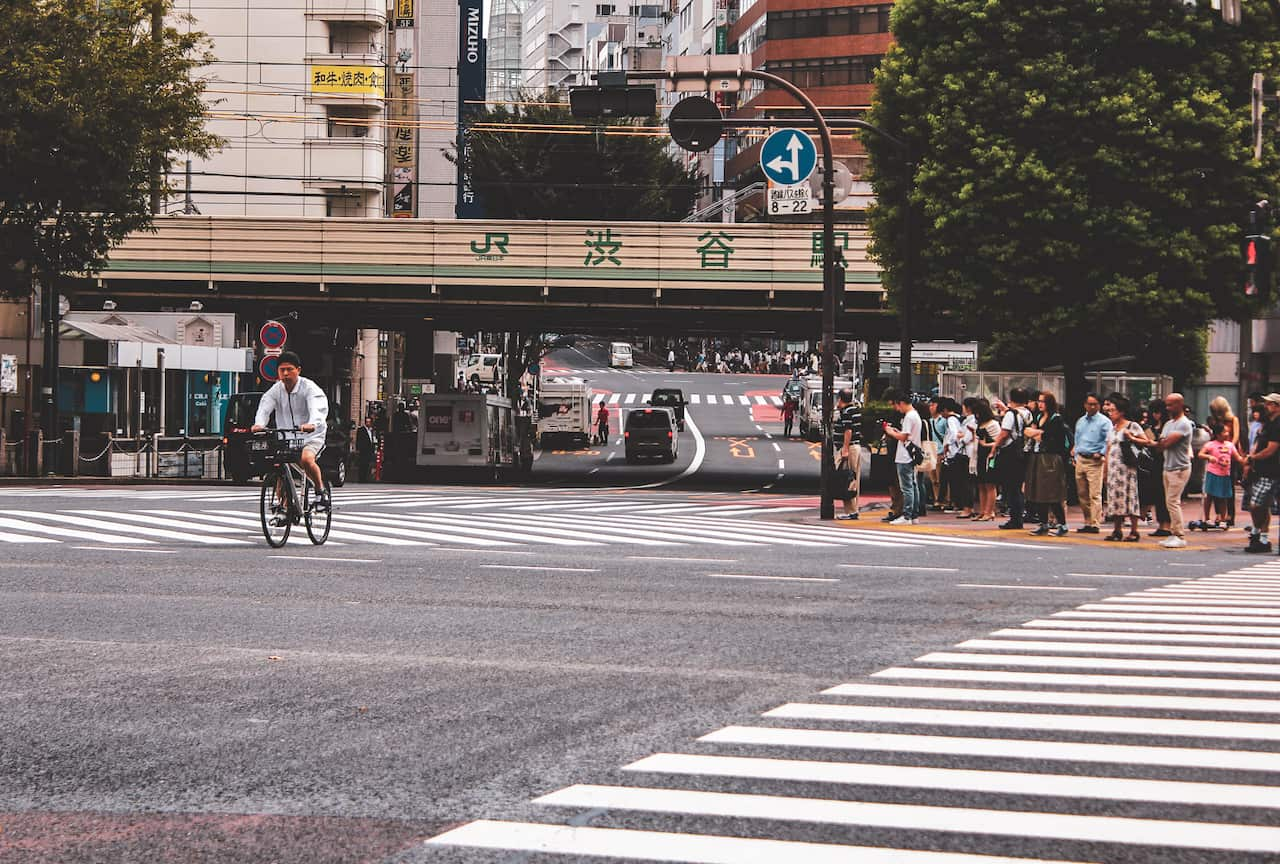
column 1011, row 456
column 1121, row 472
column 671, row 359
column 1263, row 475
column 986, row 431
column 1047, row 469
column 1150, row 478
column 602, row 424
column 788, row 416
column 1220, row 414
column 1175, row 444
column 366, row 449
column 1090, row 453
column 1220, row 455
column 953, row 460
column 907, row 458
column 848, row 474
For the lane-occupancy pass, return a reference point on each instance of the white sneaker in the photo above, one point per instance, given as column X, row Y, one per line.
column 903, row 520
column 1173, row 543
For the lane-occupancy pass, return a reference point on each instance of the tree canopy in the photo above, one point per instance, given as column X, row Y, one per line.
column 603, row 172
column 1082, row 173
column 87, row 99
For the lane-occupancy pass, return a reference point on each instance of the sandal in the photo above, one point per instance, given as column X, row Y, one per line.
column 1114, row 535
column 1132, row 538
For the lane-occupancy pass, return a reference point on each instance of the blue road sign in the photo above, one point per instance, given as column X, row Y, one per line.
column 788, row 157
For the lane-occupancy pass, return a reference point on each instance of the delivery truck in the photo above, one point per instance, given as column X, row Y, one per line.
column 468, row 430
column 564, row 412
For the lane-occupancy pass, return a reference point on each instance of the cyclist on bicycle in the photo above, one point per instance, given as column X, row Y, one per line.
column 299, row 403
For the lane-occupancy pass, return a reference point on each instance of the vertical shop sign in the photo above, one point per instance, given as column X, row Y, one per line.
column 471, row 95
column 402, row 149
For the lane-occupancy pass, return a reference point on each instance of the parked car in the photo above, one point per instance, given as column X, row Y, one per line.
column 650, row 432
column 672, row 398
column 245, row 456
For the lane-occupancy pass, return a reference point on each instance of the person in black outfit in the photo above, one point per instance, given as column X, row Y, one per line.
column 366, row 449
column 847, row 443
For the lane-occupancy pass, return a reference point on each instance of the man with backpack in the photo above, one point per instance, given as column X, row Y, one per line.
column 1011, row 463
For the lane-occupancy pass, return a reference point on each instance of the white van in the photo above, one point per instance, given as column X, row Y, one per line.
column 564, row 411
column 810, row 413
column 487, row 366
column 620, row 355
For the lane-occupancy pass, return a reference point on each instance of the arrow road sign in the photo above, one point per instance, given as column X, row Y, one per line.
column 788, row 157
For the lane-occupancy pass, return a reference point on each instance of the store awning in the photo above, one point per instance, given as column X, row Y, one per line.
column 126, row 345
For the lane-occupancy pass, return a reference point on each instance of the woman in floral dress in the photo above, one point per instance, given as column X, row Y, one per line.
column 1121, row 480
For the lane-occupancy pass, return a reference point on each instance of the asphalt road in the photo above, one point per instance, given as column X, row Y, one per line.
column 173, row 691
column 732, row 439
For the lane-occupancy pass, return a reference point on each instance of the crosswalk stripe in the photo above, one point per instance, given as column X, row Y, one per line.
column 646, row 397
column 1032, row 645
column 598, row 398
column 150, row 531
column 233, row 517
column 1143, row 682
column 695, row 399
column 631, row 398
column 1165, row 616
column 960, row 779
column 1048, row 661
column 9, row 537
column 728, row 400
column 777, row 400
column 412, row 528
column 20, row 526
column 999, row 748
column 744, row 400
column 156, row 520
column 915, row 817
column 1155, row 626
column 613, row 400
column 1016, row 720
column 465, row 524
column 760, row 400
column 1268, row 606
column 723, row 530
column 1122, row 635
column 1173, row 607
column 631, row 844
column 1056, row 697
column 647, row 536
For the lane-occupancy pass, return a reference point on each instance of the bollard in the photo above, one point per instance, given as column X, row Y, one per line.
column 34, row 453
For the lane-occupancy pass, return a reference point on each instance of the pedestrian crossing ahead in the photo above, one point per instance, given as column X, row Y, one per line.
column 740, row 399
column 975, row 756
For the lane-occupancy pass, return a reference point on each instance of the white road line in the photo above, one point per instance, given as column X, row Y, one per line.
column 235, row 518
column 1042, row 679
column 728, row 400
column 1057, row 624
column 1267, row 607
column 1153, row 616
column 903, row 567
column 1053, row 697
column 782, row 464
column 620, row 531
column 966, row 820
column 10, row 537
column 1099, row 663
column 1175, row 607
column 1010, row 587
column 629, row 844
column 121, row 549
column 743, row 400
column 646, row 397
column 1039, row 722
column 768, row 578
column 777, row 447
column 597, row 398
column 999, row 748
column 760, row 400
column 1222, row 592
column 776, row 400
column 694, row 399
column 536, row 567
column 70, row 533
column 688, row 560
column 1121, row 576
column 699, row 453
column 321, row 558
column 415, row 527
column 1123, row 635
column 993, row 782
column 150, row 532
column 152, row 519
column 613, row 398
column 1031, row 645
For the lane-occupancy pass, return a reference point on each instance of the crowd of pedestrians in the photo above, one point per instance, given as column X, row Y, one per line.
column 742, row 360
column 1129, row 463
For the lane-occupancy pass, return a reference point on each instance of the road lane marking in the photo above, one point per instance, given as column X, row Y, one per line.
column 149, row 531
column 744, row 400
column 1216, row 836
column 1031, row 645
column 1053, row 697
column 71, row 533
column 1052, row 661
column 694, row 399
column 1120, row 576
column 1000, row 748
column 1039, row 722
column 1151, row 626
column 777, row 447
column 627, row 843
column 690, row 560
column 122, row 549
column 782, row 464
column 10, row 537
column 699, row 453
column 769, row 578
column 760, row 400
column 1125, row 636
column 613, row 399
column 903, row 567
column 777, row 400
column 961, row 779
column 1153, row 616
column 1144, row 682
column 1011, row 587
column 1269, row 606
column 538, row 567
column 322, row 558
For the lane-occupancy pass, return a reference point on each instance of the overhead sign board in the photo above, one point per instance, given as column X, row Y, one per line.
column 349, row 80
column 788, row 157
column 789, row 200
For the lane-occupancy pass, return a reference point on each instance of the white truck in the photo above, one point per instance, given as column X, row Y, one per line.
column 462, row 430
column 564, row 412
column 809, row 415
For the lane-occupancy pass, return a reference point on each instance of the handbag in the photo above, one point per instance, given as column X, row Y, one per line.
column 914, row 451
column 929, row 458
column 1128, row 455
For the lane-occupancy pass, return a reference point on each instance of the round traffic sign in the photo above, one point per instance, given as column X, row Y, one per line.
column 695, row 123
column 273, row 335
column 268, row 366
column 788, row 157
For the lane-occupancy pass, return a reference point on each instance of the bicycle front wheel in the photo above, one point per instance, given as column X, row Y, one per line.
column 317, row 518
column 273, row 508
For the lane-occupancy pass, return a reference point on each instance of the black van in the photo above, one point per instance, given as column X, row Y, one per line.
column 650, row 432
column 243, row 462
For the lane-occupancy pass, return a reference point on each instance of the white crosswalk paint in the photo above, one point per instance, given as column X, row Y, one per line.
column 727, row 400
column 966, row 820
column 1127, row 636
column 1017, row 720
column 415, row 529
column 1153, row 626
column 1167, row 617
column 744, row 400
column 996, row 782
column 22, row 527
column 1081, row 662
column 631, row 398
column 339, row 534
column 1268, row 606
column 760, row 400
column 1057, row 697
column 636, row 845
column 613, row 400
column 997, row 748
column 1032, row 645
column 777, row 400
column 10, row 537
column 148, row 531
column 1105, row 682
column 152, row 519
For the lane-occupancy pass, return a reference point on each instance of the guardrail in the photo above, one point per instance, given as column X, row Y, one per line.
column 148, row 456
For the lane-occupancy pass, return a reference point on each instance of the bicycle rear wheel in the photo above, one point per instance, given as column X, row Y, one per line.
column 274, row 510
column 317, row 520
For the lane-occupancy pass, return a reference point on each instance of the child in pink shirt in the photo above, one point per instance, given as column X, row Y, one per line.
column 1218, row 488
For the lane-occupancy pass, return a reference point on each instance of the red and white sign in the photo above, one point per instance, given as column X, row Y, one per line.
column 273, row 336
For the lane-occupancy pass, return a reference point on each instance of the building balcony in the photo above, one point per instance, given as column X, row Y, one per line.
column 370, row 12
column 350, row 163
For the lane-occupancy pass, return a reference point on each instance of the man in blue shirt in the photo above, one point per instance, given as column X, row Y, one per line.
column 1090, row 455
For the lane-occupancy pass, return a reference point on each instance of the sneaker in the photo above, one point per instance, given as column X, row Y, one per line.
column 1256, row 547
column 847, row 517
column 1161, row 532
column 903, row 520
column 1061, row 531
column 1173, row 543
column 1039, row 531
column 891, row 517
column 1010, row 525
column 1089, row 529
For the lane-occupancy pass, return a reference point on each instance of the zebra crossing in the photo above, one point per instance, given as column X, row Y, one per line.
column 971, row 755
column 490, row 521
column 625, row 399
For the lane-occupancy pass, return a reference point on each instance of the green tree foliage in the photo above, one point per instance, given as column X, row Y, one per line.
column 87, row 98
column 590, row 172
column 1083, row 173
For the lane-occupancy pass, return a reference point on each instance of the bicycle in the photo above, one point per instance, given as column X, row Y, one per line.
column 288, row 496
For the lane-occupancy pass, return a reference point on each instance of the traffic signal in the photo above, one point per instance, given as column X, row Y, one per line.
column 598, row 102
column 696, row 124
column 1257, row 257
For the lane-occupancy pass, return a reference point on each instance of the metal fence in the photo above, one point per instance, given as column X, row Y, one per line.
column 107, row 456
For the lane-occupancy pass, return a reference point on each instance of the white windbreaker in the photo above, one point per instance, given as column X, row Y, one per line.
column 306, row 404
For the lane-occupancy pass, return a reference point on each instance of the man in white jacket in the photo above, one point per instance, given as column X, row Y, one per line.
column 298, row 403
